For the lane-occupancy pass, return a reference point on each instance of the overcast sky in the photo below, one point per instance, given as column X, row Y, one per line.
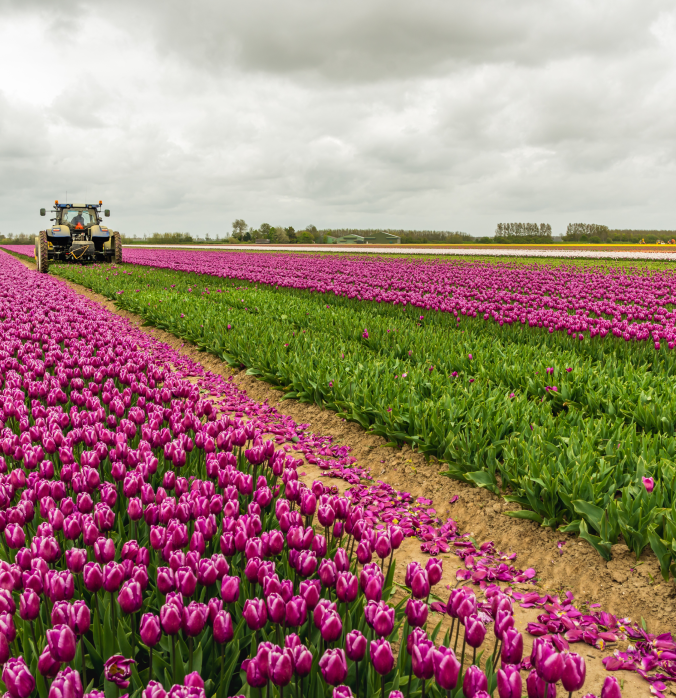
column 448, row 115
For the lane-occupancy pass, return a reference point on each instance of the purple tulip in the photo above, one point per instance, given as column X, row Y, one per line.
column 420, row 585
column 18, row 679
column 296, row 611
column 333, row 666
column 435, row 570
column 194, row 680
column 230, row 589
column 280, row 667
column 347, row 587
column 331, row 627
column 383, row 547
column 150, row 629
column 223, row 631
column 537, row 688
column 117, row 670
column 422, row 658
column 80, row 617
column 310, row 590
column 342, row 692
column 67, row 684
column 381, row 656
column 474, row 681
column 416, row 613
column 254, row 676
column 76, row 559
column 15, row 536
column 475, row 631
column 4, row 649
column 355, row 645
column 509, row 681
column 328, row 573
column 611, row 688
column 62, row 643
column 29, row 605
column 276, row 608
column 364, row 553
column 574, row 671
column 512, row 646
column 649, row 484
column 194, row 619
column 154, row 689
column 130, row 597
column 446, row 668
column 550, row 665
column 255, row 614
column 302, row 660
column 380, row 616
column 113, row 575
column 170, row 618
column 47, row 665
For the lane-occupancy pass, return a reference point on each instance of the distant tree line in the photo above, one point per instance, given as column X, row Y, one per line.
column 17, row 239
column 523, row 233
column 594, row 233
column 241, row 232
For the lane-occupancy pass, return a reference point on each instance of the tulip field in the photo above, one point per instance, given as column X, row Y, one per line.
column 573, row 421
column 157, row 540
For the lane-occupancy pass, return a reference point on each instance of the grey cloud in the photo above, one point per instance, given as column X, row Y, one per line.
column 439, row 115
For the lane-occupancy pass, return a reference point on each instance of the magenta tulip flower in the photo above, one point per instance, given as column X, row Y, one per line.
column 150, row 629
column 381, row 656
column 62, row 643
column 446, row 668
column 117, row 670
column 18, row 679
column 333, row 666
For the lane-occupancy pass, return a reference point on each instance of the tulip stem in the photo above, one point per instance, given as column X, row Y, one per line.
column 423, row 688
column 410, row 676
column 150, row 677
column 112, row 612
column 173, row 654
column 356, row 664
column 462, row 663
column 84, row 665
column 474, row 655
column 222, row 660
column 190, row 654
column 297, row 693
column 457, row 635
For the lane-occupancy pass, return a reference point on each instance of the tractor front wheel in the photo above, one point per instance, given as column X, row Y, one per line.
column 43, row 257
column 117, row 245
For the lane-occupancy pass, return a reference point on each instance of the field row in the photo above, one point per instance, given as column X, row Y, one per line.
column 571, row 431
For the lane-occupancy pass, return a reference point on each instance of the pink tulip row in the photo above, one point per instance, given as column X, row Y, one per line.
column 634, row 304
column 584, row 302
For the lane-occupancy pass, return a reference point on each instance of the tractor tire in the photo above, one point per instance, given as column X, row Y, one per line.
column 43, row 257
column 117, row 246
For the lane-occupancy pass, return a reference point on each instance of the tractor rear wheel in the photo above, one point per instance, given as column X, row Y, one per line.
column 43, row 257
column 118, row 247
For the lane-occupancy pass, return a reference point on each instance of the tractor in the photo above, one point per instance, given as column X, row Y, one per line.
column 77, row 237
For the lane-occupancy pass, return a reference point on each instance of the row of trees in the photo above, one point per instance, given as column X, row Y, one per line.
column 595, row 233
column 241, row 232
column 523, row 233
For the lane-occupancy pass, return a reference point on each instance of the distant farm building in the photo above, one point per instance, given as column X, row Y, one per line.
column 379, row 238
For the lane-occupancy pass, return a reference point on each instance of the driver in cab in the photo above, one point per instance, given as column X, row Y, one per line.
column 78, row 221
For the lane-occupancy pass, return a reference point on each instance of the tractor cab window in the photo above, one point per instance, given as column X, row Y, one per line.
column 76, row 218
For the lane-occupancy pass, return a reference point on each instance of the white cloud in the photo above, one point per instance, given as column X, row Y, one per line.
column 445, row 115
